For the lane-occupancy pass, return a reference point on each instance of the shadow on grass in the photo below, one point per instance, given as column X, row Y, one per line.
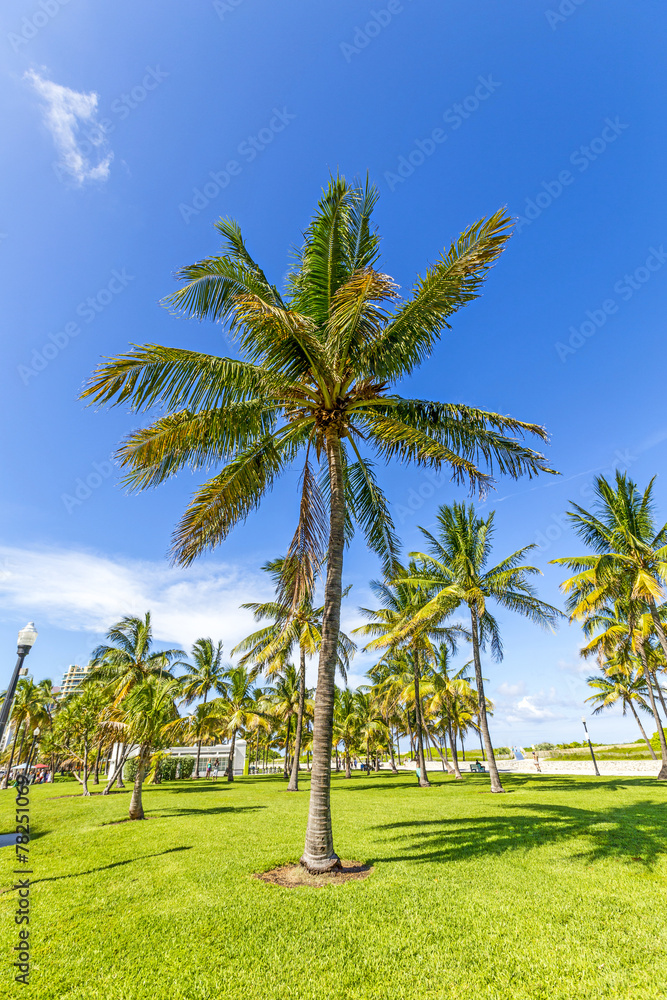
column 168, row 813
column 635, row 832
column 102, row 868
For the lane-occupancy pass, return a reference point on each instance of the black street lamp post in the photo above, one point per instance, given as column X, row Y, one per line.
column 26, row 641
column 590, row 747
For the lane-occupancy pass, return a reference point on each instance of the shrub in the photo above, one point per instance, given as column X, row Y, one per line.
column 545, row 746
column 167, row 768
column 185, row 770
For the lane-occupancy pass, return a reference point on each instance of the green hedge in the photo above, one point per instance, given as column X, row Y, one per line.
column 167, row 768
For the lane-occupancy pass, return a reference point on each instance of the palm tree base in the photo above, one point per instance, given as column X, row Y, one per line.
column 318, row 866
column 662, row 773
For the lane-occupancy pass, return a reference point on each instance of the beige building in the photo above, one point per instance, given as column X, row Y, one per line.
column 72, row 678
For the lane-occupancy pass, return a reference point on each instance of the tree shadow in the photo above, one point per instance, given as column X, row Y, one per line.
column 634, row 832
column 168, row 813
column 102, row 868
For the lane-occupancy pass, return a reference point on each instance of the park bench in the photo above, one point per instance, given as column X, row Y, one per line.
column 479, row 768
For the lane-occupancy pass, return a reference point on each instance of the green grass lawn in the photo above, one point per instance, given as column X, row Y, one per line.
column 556, row 890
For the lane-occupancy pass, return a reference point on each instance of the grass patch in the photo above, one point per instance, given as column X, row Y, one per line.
column 554, row 890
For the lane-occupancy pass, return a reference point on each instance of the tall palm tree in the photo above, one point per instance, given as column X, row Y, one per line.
column 285, row 705
column 125, row 662
column 625, row 633
column 28, row 712
column 455, row 570
column 237, row 707
column 630, row 550
column 612, row 687
column 373, row 730
column 346, row 728
column 149, row 708
column 80, row 722
column 200, row 678
column 393, row 626
column 318, row 362
column 452, row 700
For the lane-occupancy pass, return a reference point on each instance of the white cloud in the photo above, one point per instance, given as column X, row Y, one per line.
column 528, row 709
column 65, row 113
column 87, row 592
column 511, row 690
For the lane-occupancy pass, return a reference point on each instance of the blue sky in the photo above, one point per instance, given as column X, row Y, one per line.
column 132, row 127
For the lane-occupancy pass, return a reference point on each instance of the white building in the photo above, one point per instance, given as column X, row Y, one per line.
column 209, row 754
column 72, row 678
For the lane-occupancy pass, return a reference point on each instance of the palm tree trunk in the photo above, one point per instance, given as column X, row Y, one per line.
column 662, row 775
column 294, row 777
column 286, row 760
column 5, row 780
column 419, row 726
column 136, row 805
column 96, row 771
column 84, row 782
column 483, row 724
column 660, row 694
column 319, row 854
column 230, row 762
column 452, row 741
column 641, row 729
column 411, row 737
column 117, row 776
column 391, row 752
column 450, row 769
column 195, row 773
column 348, row 767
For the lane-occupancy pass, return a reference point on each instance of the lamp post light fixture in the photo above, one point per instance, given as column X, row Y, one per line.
column 590, row 746
column 26, row 640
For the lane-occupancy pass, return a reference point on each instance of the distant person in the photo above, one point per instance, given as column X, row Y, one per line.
column 216, row 769
column 208, row 769
column 536, row 760
column 418, row 773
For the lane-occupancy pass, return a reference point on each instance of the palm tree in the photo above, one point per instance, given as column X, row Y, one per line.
column 79, row 722
column 206, row 675
column 393, row 625
column 149, row 708
column 28, row 712
column 626, row 635
column 612, row 686
column 315, row 379
column 373, row 730
column 455, row 570
column 237, row 707
column 631, row 551
column 629, row 565
column 346, row 728
column 452, row 700
column 125, row 662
